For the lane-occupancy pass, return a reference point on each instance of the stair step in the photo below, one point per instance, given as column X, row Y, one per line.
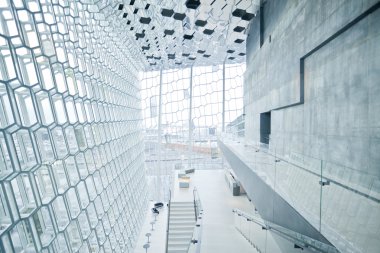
column 184, row 237
column 181, row 233
column 181, row 211
column 182, row 203
column 182, row 228
column 172, row 244
column 182, row 208
column 178, row 249
column 181, row 214
column 181, row 217
column 182, row 223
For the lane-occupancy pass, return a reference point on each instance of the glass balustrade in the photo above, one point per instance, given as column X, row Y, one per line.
column 341, row 202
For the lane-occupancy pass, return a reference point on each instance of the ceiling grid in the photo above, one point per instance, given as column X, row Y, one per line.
column 172, row 34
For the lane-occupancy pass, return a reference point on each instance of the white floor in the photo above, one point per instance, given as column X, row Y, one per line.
column 158, row 234
column 218, row 234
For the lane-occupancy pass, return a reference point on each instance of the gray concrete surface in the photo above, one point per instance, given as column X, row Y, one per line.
column 339, row 121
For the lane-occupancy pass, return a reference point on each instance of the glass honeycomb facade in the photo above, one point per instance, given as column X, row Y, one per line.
column 184, row 110
column 72, row 175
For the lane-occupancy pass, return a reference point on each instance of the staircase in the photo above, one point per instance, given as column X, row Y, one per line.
column 181, row 226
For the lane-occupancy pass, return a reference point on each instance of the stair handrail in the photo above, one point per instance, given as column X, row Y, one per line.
column 168, row 223
column 197, row 203
column 288, row 234
column 195, row 243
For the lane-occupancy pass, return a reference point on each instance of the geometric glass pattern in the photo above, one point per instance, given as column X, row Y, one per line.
column 72, row 176
column 177, row 136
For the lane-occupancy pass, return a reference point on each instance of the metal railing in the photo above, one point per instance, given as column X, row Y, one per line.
column 168, row 222
column 291, row 173
column 299, row 240
column 195, row 244
column 197, row 203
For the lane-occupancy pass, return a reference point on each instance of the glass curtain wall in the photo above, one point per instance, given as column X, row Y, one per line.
column 184, row 110
column 72, row 175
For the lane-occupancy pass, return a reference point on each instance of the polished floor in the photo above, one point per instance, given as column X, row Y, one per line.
column 219, row 233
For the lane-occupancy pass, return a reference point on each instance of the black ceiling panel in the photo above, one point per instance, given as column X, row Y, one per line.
column 179, row 16
column 188, row 37
column 239, row 29
column 169, row 32
column 248, row 16
column 208, row 31
column 167, row 12
column 238, row 13
column 193, row 4
column 145, row 20
column 200, row 23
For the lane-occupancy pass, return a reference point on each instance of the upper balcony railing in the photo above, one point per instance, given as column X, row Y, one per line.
column 341, row 202
column 255, row 229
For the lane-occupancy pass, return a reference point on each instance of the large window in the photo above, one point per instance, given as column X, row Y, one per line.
column 190, row 107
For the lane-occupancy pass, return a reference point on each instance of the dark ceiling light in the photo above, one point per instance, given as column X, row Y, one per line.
column 230, row 51
column 167, row 12
column 121, row 6
column 192, row 58
column 208, row 31
column 179, row 16
column 186, row 55
column 152, row 64
column 239, row 41
column 128, row 22
column 200, row 23
column 140, row 35
column 171, row 56
column 145, row 48
column 238, row 13
column 149, row 57
column 206, row 55
column 231, row 58
column 248, row 16
column 157, row 58
column 135, row 11
column 201, row 51
column 239, row 29
column 145, row 20
column 132, row 30
column 125, row 15
column 168, row 32
column 193, row 4
column 241, row 54
column 178, row 63
column 147, row 6
column 188, row 37
column 132, row 2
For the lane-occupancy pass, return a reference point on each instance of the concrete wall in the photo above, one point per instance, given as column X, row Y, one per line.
column 339, row 119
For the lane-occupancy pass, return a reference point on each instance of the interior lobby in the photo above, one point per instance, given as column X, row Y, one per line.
column 187, row 126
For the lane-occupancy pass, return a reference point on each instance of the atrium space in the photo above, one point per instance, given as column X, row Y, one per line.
column 187, row 126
